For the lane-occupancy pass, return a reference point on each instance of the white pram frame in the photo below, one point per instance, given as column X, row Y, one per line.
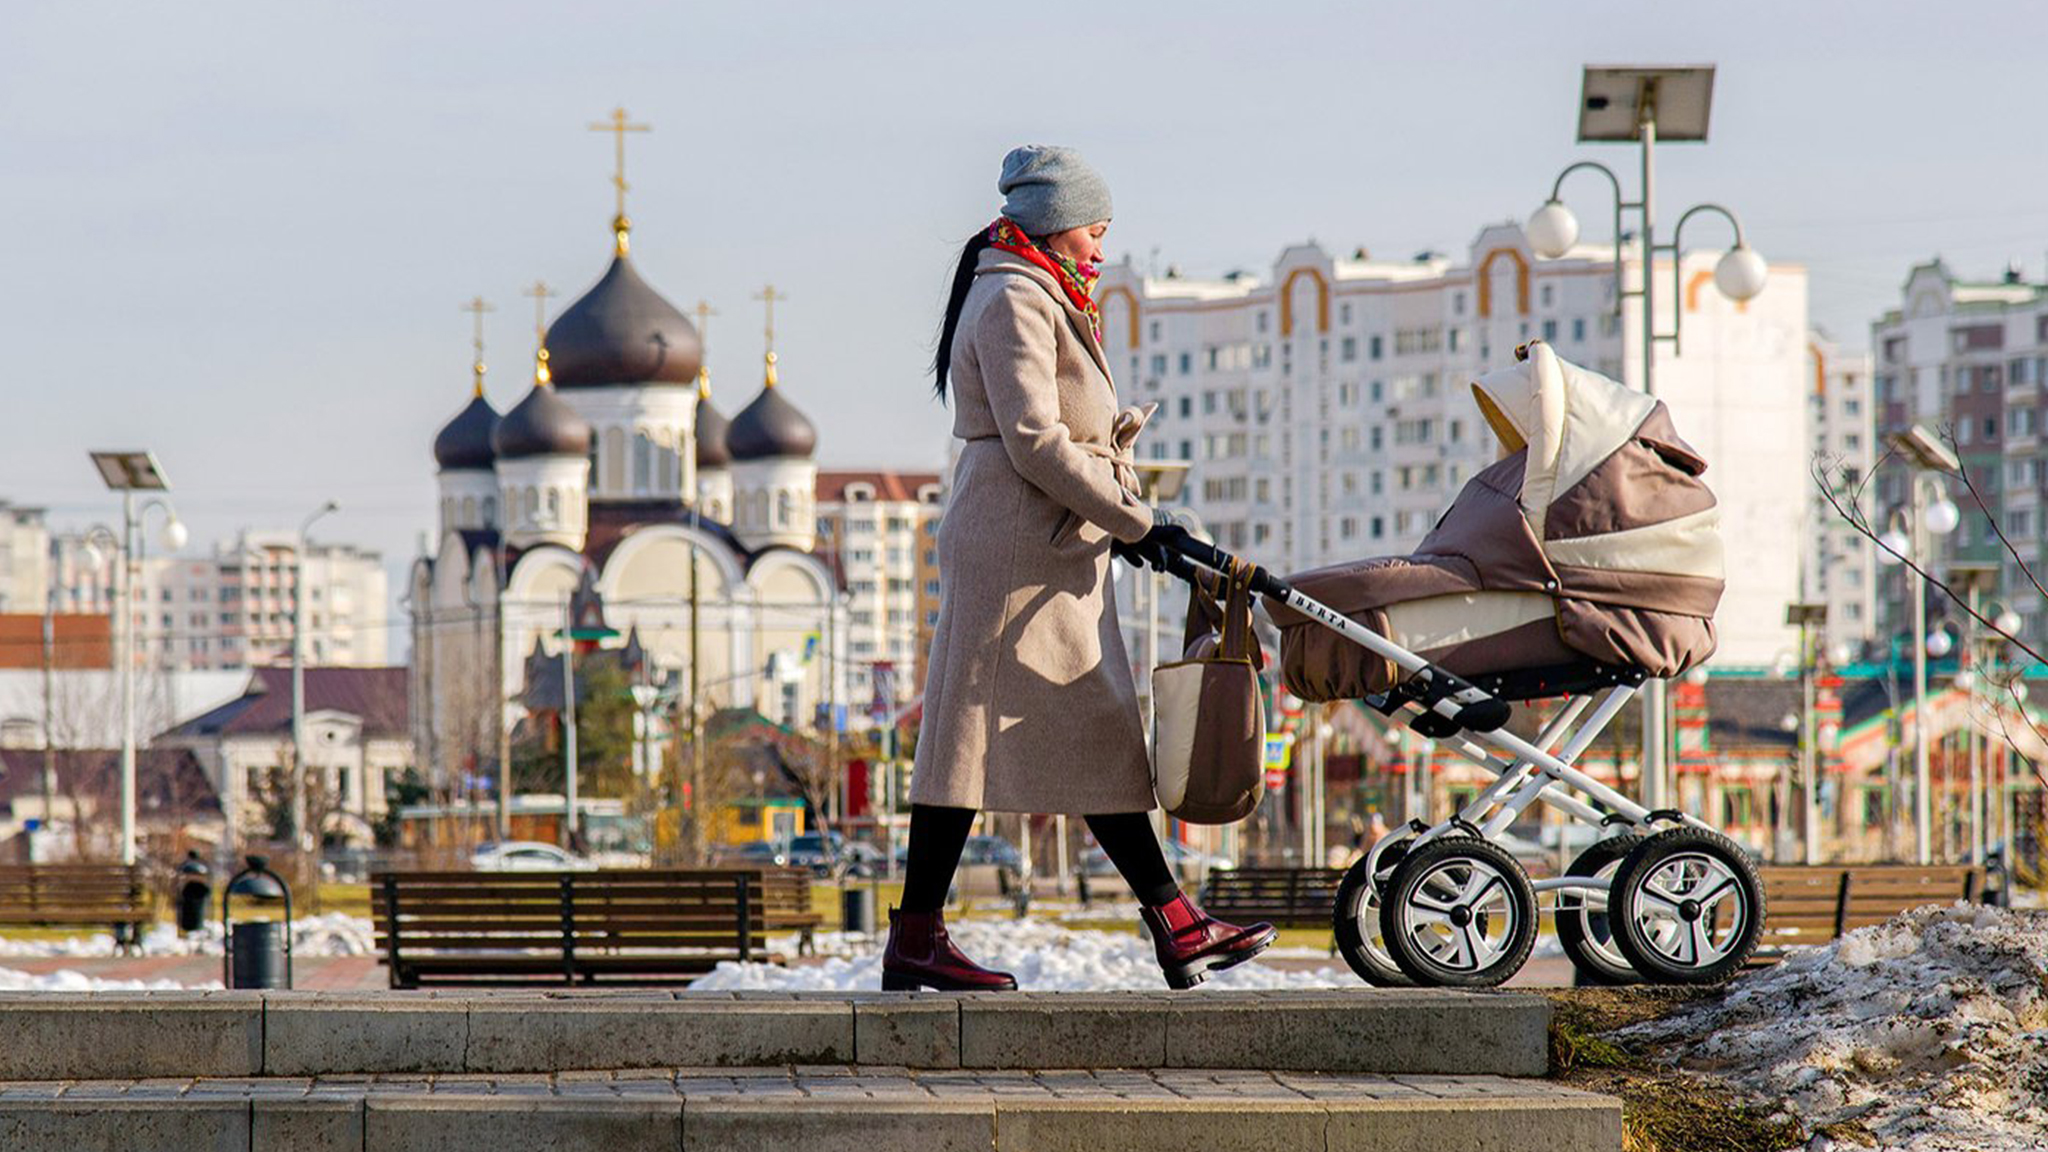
column 1673, row 884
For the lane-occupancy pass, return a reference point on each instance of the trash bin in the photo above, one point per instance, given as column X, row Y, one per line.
column 258, row 954
column 857, row 910
column 193, row 893
column 258, row 950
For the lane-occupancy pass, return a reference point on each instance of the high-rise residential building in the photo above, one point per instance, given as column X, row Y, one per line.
column 233, row 607
column 24, row 558
column 1324, row 408
column 1840, row 564
column 882, row 529
column 1968, row 360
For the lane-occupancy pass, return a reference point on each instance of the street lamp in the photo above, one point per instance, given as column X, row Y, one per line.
column 300, row 833
column 1811, row 620
column 1641, row 105
column 1931, row 512
column 129, row 473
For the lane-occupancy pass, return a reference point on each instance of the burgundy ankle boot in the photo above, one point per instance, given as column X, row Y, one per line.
column 1191, row 943
column 921, row 955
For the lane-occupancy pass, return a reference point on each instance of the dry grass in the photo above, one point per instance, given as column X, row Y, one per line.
column 1664, row 1109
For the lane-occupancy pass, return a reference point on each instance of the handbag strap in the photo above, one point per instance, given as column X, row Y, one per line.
column 1205, row 615
column 1237, row 642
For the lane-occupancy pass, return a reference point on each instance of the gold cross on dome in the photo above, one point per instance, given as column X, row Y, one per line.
column 541, row 294
column 618, row 126
column 704, row 314
column 768, row 296
column 476, row 307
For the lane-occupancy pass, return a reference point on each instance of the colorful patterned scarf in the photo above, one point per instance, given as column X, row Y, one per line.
column 1078, row 282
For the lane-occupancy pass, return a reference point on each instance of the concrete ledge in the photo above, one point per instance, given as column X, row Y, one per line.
column 310, row 1033
column 823, row 1109
column 528, row 1124
column 1408, row 1030
column 740, row 1125
column 228, row 1034
column 543, row 1036
column 116, row 1035
column 116, row 1125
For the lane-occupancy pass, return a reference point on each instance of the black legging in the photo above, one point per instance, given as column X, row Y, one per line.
column 937, row 835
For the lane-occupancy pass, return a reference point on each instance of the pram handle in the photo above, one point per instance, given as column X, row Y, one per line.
column 1449, row 701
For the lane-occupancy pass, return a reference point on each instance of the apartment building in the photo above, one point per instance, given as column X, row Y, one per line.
column 1840, row 566
column 880, row 529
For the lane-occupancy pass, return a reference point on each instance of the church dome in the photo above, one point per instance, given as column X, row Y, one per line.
column 465, row 442
column 770, row 426
column 713, row 430
column 622, row 332
column 543, row 424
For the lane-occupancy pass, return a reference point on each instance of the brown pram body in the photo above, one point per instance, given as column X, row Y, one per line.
column 1591, row 538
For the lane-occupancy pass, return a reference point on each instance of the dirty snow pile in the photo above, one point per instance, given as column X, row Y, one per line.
column 1929, row 1030
column 1044, row 957
column 332, row 934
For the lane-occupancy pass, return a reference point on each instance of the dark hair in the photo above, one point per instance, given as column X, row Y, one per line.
column 956, row 299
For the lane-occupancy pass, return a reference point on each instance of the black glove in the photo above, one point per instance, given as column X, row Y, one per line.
column 1157, row 546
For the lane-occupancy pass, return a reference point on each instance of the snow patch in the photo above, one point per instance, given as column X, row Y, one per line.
column 1931, row 1030
column 69, row 981
column 1044, row 957
column 331, row 934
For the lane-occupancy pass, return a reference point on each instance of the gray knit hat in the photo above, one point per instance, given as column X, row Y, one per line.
column 1051, row 189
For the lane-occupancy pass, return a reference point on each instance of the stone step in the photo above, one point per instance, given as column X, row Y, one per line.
column 812, row 1109
column 105, row 1035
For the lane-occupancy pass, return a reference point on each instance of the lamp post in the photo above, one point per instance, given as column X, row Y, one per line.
column 1643, row 105
column 129, row 473
column 1935, row 515
column 300, row 833
column 1810, row 620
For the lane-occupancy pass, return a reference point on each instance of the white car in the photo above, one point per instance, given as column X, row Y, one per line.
column 527, row 856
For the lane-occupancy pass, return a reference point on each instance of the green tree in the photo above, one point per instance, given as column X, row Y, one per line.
column 604, row 731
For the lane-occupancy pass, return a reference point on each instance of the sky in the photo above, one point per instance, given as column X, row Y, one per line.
column 240, row 234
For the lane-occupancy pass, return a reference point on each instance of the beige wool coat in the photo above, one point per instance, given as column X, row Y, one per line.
column 1029, row 704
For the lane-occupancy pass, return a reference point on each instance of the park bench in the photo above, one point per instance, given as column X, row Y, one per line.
column 1813, row 905
column 638, row 926
column 787, row 907
column 1282, row 897
column 63, row 895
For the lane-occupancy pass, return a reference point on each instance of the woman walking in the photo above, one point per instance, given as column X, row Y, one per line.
column 1029, row 704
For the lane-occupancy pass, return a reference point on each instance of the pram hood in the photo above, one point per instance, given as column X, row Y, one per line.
column 1591, row 536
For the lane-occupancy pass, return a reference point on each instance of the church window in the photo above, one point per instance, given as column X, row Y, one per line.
column 469, row 511
column 783, row 510
column 643, row 461
column 554, row 512
column 490, row 512
column 614, row 460
column 532, row 504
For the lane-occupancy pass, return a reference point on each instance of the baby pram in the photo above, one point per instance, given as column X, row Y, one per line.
column 1584, row 562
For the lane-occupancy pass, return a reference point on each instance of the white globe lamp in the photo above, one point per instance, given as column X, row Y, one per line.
column 1893, row 546
column 1552, row 230
column 1943, row 516
column 1741, row 273
column 175, row 534
column 1940, row 644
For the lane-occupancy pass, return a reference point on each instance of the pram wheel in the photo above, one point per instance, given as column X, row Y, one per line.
column 1356, row 920
column 1686, row 907
column 1459, row 912
column 1583, row 929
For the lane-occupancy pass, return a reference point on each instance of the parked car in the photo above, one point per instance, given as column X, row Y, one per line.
column 527, row 856
column 1186, row 862
column 824, row 853
column 754, row 854
column 991, row 850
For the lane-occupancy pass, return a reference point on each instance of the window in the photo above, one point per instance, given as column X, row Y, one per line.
column 1549, row 326
column 1208, row 403
column 1187, row 407
column 1260, row 320
column 1417, row 431
column 1549, row 295
column 1579, row 330
column 1347, row 349
column 1379, row 527
column 1376, row 440
column 1187, row 363
column 643, row 461
column 1457, row 309
column 614, row 457
column 1155, row 331
column 1374, row 348
column 1159, row 363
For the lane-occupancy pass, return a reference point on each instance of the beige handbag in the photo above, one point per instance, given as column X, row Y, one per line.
column 1208, row 720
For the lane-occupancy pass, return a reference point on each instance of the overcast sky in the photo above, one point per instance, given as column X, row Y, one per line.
column 240, row 233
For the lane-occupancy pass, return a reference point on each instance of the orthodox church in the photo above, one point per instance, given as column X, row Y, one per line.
column 614, row 472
